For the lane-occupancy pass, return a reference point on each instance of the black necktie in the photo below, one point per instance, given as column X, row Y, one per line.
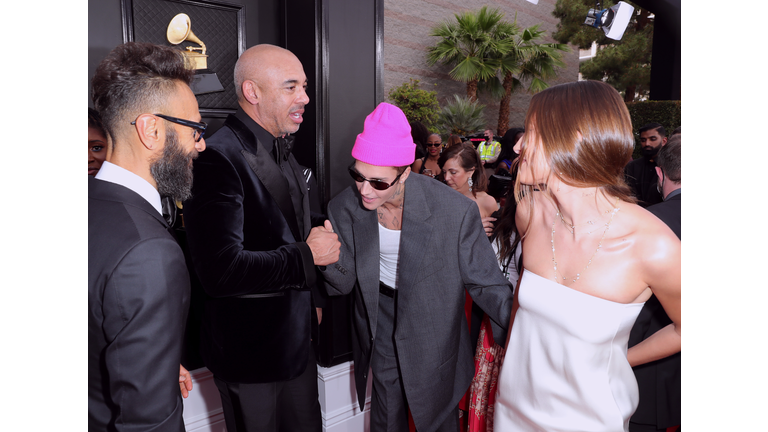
column 283, row 148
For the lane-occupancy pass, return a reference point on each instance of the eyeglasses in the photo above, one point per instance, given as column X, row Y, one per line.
column 199, row 127
column 376, row 184
column 434, row 144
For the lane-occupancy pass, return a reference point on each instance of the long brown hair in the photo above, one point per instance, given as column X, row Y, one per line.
column 586, row 137
column 468, row 159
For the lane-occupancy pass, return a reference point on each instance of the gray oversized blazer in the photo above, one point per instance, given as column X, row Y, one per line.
column 443, row 251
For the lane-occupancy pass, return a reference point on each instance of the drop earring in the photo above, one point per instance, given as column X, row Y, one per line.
column 470, row 183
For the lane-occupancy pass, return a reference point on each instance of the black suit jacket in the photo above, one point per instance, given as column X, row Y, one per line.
column 670, row 212
column 658, row 381
column 248, row 250
column 640, row 175
column 138, row 297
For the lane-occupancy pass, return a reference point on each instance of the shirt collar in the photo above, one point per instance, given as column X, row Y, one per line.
column 118, row 175
column 673, row 193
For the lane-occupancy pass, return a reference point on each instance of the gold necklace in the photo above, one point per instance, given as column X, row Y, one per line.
column 599, row 245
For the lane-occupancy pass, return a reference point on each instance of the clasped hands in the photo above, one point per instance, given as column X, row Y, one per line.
column 324, row 244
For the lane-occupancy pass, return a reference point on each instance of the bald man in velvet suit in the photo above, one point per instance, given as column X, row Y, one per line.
column 254, row 248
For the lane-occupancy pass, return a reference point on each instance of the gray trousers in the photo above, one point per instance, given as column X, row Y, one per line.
column 389, row 407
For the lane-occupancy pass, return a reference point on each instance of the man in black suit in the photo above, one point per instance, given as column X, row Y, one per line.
column 659, row 381
column 640, row 174
column 138, row 284
column 249, row 228
column 668, row 170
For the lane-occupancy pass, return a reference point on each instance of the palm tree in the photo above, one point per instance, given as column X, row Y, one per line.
column 473, row 44
column 527, row 60
column 461, row 116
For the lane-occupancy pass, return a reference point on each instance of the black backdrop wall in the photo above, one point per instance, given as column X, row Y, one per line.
column 339, row 43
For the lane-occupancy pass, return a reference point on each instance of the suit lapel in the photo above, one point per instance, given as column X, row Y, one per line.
column 268, row 173
column 415, row 234
column 365, row 229
column 298, row 172
column 109, row 191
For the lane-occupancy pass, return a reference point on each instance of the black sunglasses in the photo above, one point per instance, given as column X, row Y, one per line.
column 376, row 184
column 199, row 127
column 434, row 144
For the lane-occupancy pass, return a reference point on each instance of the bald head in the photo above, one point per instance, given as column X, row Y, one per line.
column 271, row 88
column 258, row 62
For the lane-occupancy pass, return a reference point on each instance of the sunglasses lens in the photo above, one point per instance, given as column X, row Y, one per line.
column 378, row 185
column 355, row 176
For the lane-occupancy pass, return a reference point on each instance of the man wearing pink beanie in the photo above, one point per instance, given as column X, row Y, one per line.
column 410, row 247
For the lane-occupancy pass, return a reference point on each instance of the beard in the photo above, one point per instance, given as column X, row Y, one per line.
column 173, row 170
column 649, row 151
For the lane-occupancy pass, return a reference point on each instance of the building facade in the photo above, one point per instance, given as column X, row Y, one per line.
column 407, row 25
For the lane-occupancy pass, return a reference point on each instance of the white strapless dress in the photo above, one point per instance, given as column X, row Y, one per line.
column 566, row 366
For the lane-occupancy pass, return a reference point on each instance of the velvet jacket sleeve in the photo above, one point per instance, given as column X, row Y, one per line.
column 237, row 252
column 145, row 304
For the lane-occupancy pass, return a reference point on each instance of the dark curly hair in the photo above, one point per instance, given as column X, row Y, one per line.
column 420, row 133
column 507, row 142
column 94, row 121
column 136, row 78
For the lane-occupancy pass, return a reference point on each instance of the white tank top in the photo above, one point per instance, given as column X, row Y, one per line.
column 389, row 252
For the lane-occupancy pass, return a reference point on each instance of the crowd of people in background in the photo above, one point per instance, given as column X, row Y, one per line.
column 558, row 269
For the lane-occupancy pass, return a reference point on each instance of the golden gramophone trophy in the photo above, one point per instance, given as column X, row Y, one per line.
column 180, row 30
column 205, row 81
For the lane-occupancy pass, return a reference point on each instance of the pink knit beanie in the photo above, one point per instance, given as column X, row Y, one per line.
column 386, row 139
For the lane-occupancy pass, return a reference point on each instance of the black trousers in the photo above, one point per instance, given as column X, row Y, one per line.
column 637, row 427
column 285, row 406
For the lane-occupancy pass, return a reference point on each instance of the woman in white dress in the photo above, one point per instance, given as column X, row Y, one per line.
column 591, row 258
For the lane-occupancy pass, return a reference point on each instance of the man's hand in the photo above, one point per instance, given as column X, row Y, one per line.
column 324, row 244
column 488, row 225
column 185, row 381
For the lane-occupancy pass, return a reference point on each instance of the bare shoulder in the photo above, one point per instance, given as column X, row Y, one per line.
column 657, row 247
column 486, row 203
column 416, row 165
